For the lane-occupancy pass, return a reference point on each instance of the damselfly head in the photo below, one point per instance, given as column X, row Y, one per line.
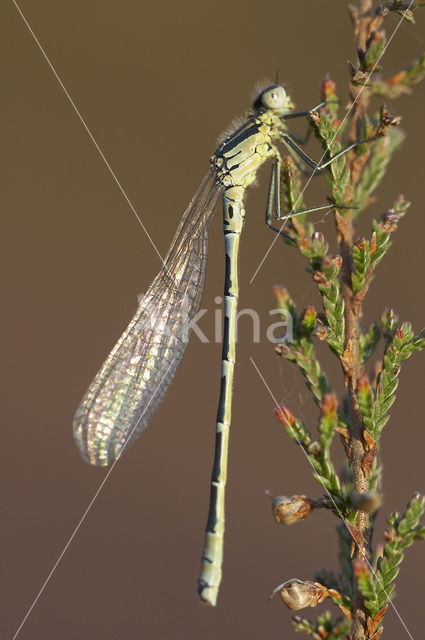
column 273, row 97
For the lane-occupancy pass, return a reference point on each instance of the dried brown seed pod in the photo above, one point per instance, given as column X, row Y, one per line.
column 299, row 594
column 289, row 510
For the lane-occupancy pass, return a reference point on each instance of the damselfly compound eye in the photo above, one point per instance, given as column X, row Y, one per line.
column 274, row 97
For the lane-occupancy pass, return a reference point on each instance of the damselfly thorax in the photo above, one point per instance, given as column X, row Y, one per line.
column 238, row 158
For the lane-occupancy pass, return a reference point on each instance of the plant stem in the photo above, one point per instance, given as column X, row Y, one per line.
column 351, row 366
column 351, row 357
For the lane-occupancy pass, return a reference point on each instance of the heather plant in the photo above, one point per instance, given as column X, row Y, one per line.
column 364, row 586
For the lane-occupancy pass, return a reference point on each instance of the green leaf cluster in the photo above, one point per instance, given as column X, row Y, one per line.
column 401, row 346
column 301, row 349
column 367, row 254
column 403, row 530
column 380, row 152
column 337, row 176
column 330, row 289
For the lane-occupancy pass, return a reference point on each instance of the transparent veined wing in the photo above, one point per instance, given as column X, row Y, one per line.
column 137, row 373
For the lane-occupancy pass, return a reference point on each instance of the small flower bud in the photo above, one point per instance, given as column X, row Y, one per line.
column 281, row 295
column 327, row 88
column 297, row 594
column 318, row 237
column 390, row 534
column 389, row 319
column 361, row 244
column 310, row 312
column 289, row 510
column 329, row 405
column 320, row 278
column 286, row 162
column 337, row 261
column 363, row 384
column 318, row 243
column 368, row 502
column 309, row 317
column 285, row 416
column 398, row 336
column 360, row 567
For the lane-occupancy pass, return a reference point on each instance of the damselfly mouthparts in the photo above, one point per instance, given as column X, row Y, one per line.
column 134, row 378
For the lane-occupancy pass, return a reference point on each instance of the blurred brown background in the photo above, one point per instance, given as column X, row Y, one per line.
column 156, row 84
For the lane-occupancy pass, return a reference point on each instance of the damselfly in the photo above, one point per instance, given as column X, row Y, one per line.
column 134, row 378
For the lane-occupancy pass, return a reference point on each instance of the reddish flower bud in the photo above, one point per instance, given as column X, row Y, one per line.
column 309, row 318
column 287, row 162
column 285, row 416
column 390, row 534
column 398, row 333
column 310, row 312
column 363, row 384
column 281, row 295
column 361, row 244
column 337, row 261
column 329, row 405
column 360, row 567
column 327, row 88
column 320, row 278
